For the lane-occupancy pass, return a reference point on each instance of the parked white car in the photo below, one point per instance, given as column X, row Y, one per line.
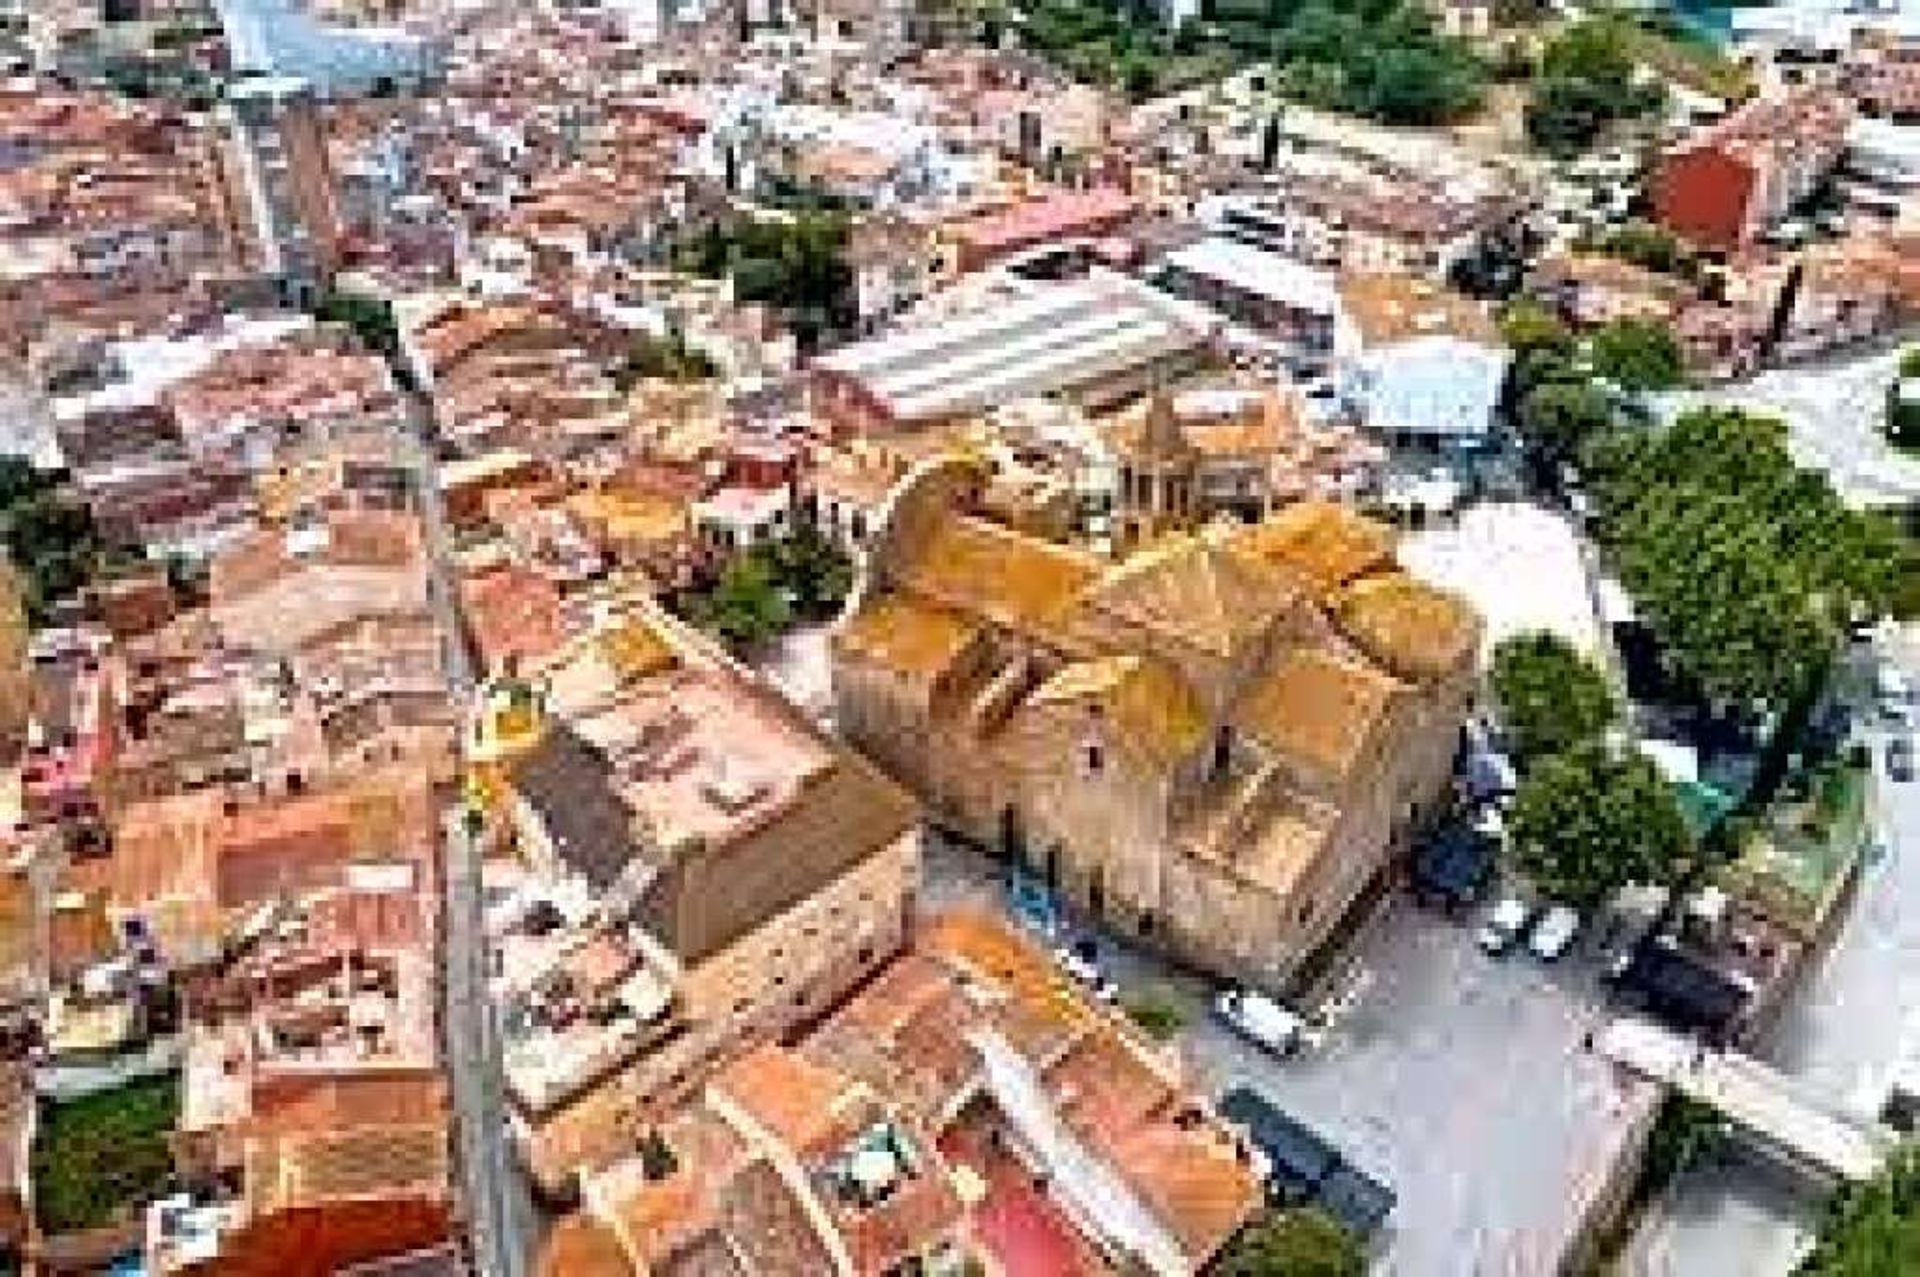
column 1553, row 935
column 1506, row 923
column 1082, row 961
column 1896, row 695
column 1261, row 1019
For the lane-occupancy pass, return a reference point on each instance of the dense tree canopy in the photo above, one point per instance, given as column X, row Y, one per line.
column 1872, row 1229
column 745, row 606
column 1378, row 58
column 1550, row 697
column 1746, row 566
column 1636, row 354
column 1591, row 820
column 761, row 593
column 815, row 573
column 1293, row 1243
column 795, row 264
column 1563, row 417
column 49, row 536
column 1586, row 83
column 101, row 1157
column 1531, row 328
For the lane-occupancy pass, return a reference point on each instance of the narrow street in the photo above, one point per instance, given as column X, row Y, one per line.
column 1853, row 1023
column 503, row 1222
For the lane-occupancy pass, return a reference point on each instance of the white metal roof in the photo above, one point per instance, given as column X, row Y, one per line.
column 1254, row 270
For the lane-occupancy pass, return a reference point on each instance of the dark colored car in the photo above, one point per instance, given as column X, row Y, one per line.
column 1357, row 1200
column 1453, row 866
column 1305, row 1169
column 1300, row 1160
column 1679, row 988
column 1900, row 759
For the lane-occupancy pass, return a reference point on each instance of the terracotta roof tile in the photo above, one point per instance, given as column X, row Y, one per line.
column 906, row 636
column 1144, row 703
column 1197, row 588
column 1326, row 544
column 1013, row 580
column 1414, row 629
column 796, row 1101
column 1321, row 712
column 580, row 1246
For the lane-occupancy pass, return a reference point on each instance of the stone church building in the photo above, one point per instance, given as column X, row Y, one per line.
column 1215, row 743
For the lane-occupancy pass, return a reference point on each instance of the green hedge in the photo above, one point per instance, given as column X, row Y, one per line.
column 97, row 1156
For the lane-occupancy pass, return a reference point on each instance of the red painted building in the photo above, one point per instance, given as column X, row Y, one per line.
column 1725, row 186
column 1706, row 197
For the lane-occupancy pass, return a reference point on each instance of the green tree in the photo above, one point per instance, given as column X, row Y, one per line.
column 370, row 318
column 1303, row 1242
column 1420, row 84
column 50, row 536
column 1566, row 116
column 1562, row 418
column 103, row 1155
column 1746, row 566
column 811, row 571
column 1637, row 354
column 1530, row 327
column 745, row 606
column 1872, row 1229
column 1649, row 246
column 1551, row 698
column 667, row 358
column 1591, row 820
column 1586, row 83
column 1597, row 50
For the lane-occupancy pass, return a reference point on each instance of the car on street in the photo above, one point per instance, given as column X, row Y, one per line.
column 1553, row 935
column 1081, row 960
column 1295, row 1161
column 1453, row 865
column 1895, row 695
column 1300, row 1167
column 1900, row 759
column 1261, row 1019
column 1505, row 923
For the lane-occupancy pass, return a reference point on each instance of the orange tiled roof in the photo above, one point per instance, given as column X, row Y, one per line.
column 292, row 1103
column 1013, row 580
column 580, row 1246
column 514, row 615
column 1321, row 711
column 1199, row 587
column 907, row 636
column 1145, row 702
column 1414, row 629
column 795, row 1100
column 1326, row 544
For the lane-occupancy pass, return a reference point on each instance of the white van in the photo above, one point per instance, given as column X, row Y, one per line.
column 1260, row 1018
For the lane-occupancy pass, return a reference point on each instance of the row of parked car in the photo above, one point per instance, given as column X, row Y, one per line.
column 1896, row 698
column 1549, row 931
